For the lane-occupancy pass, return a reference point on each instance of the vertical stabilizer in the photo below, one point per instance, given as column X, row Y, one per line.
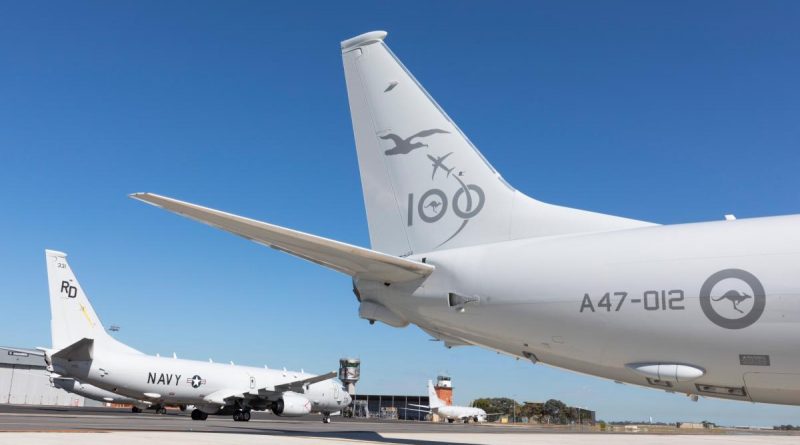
column 433, row 400
column 426, row 186
column 72, row 315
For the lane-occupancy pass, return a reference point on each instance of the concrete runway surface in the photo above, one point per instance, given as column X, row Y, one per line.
column 90, row 426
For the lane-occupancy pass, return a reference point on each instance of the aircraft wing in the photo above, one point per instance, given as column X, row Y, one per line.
column 223, row 396
column 412, row 409
column 419, row 406
column 295, row 386
column 300, row 384
column 346, row 258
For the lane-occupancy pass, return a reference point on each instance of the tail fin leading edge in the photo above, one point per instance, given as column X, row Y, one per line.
column 426, row 186
column 433, row 400
column 72, row 316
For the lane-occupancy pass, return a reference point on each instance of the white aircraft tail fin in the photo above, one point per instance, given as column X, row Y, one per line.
column 433, row 400
column 72, row 317
column 425, row 184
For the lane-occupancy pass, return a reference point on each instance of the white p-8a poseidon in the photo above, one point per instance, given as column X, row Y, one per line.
column 83, row 350
column 451, row 412
column 705, row 309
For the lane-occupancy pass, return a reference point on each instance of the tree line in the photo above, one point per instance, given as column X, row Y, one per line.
column 552, row 411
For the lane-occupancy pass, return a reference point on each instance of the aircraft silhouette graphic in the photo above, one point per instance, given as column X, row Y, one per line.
column 405, row 146
column 438, row 163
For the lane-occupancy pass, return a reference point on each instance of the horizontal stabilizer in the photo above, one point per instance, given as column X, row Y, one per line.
column 81, row 350
column 346, row 258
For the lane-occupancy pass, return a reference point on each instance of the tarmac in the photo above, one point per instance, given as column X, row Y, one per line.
column 90, row 426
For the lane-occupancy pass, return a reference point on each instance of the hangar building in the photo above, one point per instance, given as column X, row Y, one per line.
column 24, row 380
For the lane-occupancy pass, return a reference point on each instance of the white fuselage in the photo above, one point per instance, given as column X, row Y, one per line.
column 461, row 413
column 94, row 393
column 529, row 299
column 172, row 381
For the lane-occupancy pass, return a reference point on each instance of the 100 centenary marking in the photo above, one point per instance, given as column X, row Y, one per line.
column 650, row 300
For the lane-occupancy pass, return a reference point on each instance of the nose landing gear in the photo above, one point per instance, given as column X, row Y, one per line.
column 199, row 415
column 326, row 418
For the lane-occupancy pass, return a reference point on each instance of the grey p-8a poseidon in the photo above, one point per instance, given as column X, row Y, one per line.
column 705, row 309
column 83, row 350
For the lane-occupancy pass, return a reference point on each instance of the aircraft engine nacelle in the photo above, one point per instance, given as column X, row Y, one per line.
column 291, row 405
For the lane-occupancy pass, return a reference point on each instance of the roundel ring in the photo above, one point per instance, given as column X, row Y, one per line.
column 759, row 299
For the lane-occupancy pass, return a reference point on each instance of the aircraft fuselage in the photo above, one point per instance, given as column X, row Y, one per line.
column 721, row 298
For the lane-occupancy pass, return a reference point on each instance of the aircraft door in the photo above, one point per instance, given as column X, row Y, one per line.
column 771, row 387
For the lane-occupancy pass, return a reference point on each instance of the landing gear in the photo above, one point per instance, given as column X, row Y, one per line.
column 199, row 415
column 136, row 410
column 326, row 418
column 450, row 420
column 241, row 416
column 161, row 410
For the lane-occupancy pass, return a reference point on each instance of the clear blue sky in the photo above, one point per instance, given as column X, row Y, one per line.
column 664, row 111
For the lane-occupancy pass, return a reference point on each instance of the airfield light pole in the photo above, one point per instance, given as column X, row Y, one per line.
column 514, row 407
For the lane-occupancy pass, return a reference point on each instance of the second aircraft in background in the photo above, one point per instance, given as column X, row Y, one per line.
column 84, row 351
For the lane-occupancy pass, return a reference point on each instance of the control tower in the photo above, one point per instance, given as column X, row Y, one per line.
column 444, row 389
column 349, row 373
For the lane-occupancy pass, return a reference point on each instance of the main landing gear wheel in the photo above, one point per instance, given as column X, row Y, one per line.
column 199, row 415
column 161, row 410
column 241, row 416
column 136, row 410
column 326, row 418
column 450, row 420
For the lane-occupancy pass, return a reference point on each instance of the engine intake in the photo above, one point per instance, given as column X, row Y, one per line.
column 291, row 405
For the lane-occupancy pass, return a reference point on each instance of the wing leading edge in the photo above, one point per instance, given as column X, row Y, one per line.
column 346, row 258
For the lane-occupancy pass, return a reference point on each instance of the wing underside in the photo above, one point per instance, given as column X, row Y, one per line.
column 346, row 258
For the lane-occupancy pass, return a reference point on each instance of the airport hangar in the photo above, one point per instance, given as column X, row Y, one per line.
column 24, row 380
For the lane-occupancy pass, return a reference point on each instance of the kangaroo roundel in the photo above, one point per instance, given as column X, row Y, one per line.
column 733, row 298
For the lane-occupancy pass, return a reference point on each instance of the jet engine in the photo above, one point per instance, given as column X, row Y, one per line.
column 291, row 405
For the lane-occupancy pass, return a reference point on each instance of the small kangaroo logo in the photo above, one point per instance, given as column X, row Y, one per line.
column 434, row 205
column 735, row 298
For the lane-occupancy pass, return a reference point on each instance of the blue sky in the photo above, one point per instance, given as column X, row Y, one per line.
column 664, row 111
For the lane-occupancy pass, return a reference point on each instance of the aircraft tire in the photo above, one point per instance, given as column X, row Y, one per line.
column 199, row 415
column 246, row 416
